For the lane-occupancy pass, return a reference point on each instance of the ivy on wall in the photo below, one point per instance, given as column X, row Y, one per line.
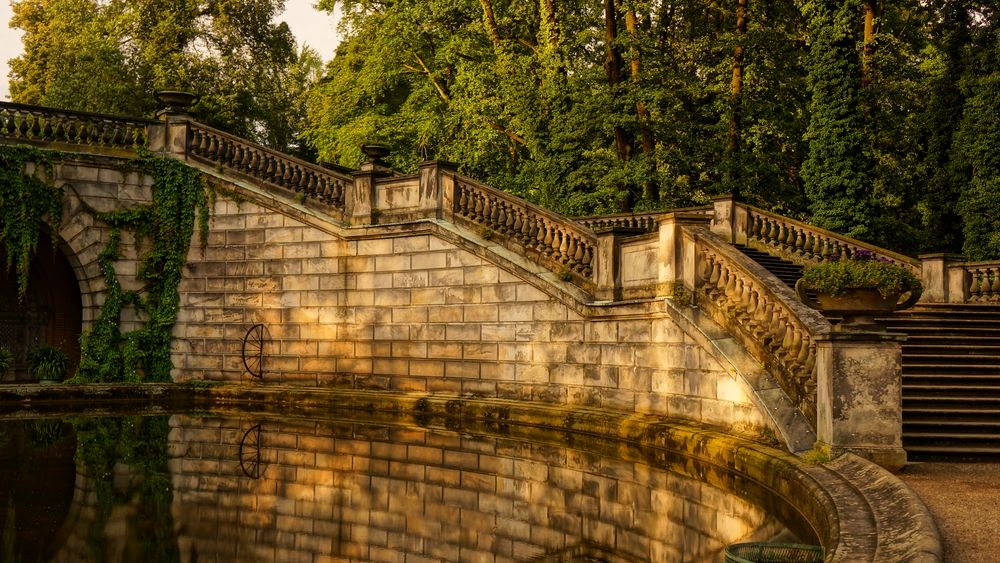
column 179, row 203
column 108, row 354
column 27, row 202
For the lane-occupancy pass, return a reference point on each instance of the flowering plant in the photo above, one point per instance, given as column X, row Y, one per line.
column 863, row 270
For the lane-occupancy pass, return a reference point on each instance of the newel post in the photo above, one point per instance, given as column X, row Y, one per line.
column 607, row 263
column 730, row 220
column 859, row 395
column 437, row 188
column 360, row 199
column 170, row 135
column 676, row 251
column 942, row 284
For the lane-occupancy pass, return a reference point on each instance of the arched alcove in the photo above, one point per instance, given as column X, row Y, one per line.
column 50, row 313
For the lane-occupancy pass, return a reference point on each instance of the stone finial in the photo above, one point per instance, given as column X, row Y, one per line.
column 375, row 154
column 173, row 102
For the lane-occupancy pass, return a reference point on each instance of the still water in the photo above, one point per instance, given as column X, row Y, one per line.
column 239, row 487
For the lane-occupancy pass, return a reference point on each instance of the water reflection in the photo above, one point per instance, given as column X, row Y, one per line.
column 230, row 488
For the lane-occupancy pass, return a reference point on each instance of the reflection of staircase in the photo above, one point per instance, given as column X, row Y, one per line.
column 951, row 373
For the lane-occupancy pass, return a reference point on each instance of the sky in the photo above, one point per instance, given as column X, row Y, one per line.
column 316, row 29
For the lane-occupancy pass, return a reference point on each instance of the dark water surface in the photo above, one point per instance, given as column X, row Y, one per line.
column 239, row 487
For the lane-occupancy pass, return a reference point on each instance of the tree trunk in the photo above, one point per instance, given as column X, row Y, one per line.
column 491, row 23
column 652, row 190
column 869, row 45
column 736, row 92
column 613, row 69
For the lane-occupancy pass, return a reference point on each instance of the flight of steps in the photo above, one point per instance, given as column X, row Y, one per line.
column 951, row 373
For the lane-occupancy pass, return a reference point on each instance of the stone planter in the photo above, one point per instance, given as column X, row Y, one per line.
column 859, row 307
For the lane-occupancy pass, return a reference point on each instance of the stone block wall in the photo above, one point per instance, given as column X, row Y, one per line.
column 99, row 184
column 421, row 308
column 344, row 491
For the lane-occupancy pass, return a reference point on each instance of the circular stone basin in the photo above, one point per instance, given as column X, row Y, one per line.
column 238, row 485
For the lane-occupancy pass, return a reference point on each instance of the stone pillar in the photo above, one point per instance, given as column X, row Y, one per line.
column 730, row 221
column 170, row 136
column 359, row 201
column 941, row 284
column 437, row 188
column 675, row 254
column 607, row 264
column 859, row 396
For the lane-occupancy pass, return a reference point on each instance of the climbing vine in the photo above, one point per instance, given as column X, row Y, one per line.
column 107, row 354
column 27, row 202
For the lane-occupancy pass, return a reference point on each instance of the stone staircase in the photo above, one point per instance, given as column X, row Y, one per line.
column 951, row 373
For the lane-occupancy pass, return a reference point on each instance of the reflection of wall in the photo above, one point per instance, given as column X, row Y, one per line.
column 329, row 492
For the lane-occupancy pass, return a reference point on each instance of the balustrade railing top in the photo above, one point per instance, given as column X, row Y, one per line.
column 218, row 148
column 559, row 241
column 36, row 124
column 798, row 240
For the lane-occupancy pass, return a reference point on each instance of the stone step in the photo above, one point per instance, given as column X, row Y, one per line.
column 916, row 452
column 944, row 390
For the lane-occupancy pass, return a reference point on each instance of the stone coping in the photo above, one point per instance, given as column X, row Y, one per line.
column 859, row 511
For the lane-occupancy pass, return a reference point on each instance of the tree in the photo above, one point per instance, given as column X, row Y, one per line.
column 111, row 55
column 836, row 172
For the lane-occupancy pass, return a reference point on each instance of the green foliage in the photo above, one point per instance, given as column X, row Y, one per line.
column 141, row 445
column 6, row 360
column 977, row 151
column 169, row 223
column 48, row 363
column 836, row 171
column 28, row 202
column 836, row 278
column 111, row 55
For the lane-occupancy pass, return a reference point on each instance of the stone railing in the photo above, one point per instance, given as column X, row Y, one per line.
column 220, row 149
column 41, row 125
column 805, row 243
column 564, row 245
column 984, row 281
column 638, row 222
column 760, row 311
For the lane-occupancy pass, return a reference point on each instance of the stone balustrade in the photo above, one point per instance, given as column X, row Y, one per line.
column 984, row 281
column 804, row 243
column 220, row 149
column 762, row 312
column 40, row 125
column 521, row 226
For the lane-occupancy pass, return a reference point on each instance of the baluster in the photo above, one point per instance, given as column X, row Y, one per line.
column 518, row 228
column 765, row 310
column 777, row 331
column 549, row 237
column 477, row 210
column 800, row 241
column 586, row 260
column 499, row 217
column 994, row 284
column 804, row 350
column 494, row 219
column 463, row 201
column 974, row 287
column 563, row 252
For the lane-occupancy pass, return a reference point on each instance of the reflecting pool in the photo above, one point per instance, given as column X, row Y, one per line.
column 242, row 487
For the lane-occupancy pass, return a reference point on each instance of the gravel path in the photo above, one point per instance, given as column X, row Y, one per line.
column 965, row 501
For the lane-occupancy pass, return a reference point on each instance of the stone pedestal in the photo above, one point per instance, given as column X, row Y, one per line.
column 859, row 396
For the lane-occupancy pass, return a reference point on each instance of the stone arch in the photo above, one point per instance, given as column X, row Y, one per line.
column 51, row 311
